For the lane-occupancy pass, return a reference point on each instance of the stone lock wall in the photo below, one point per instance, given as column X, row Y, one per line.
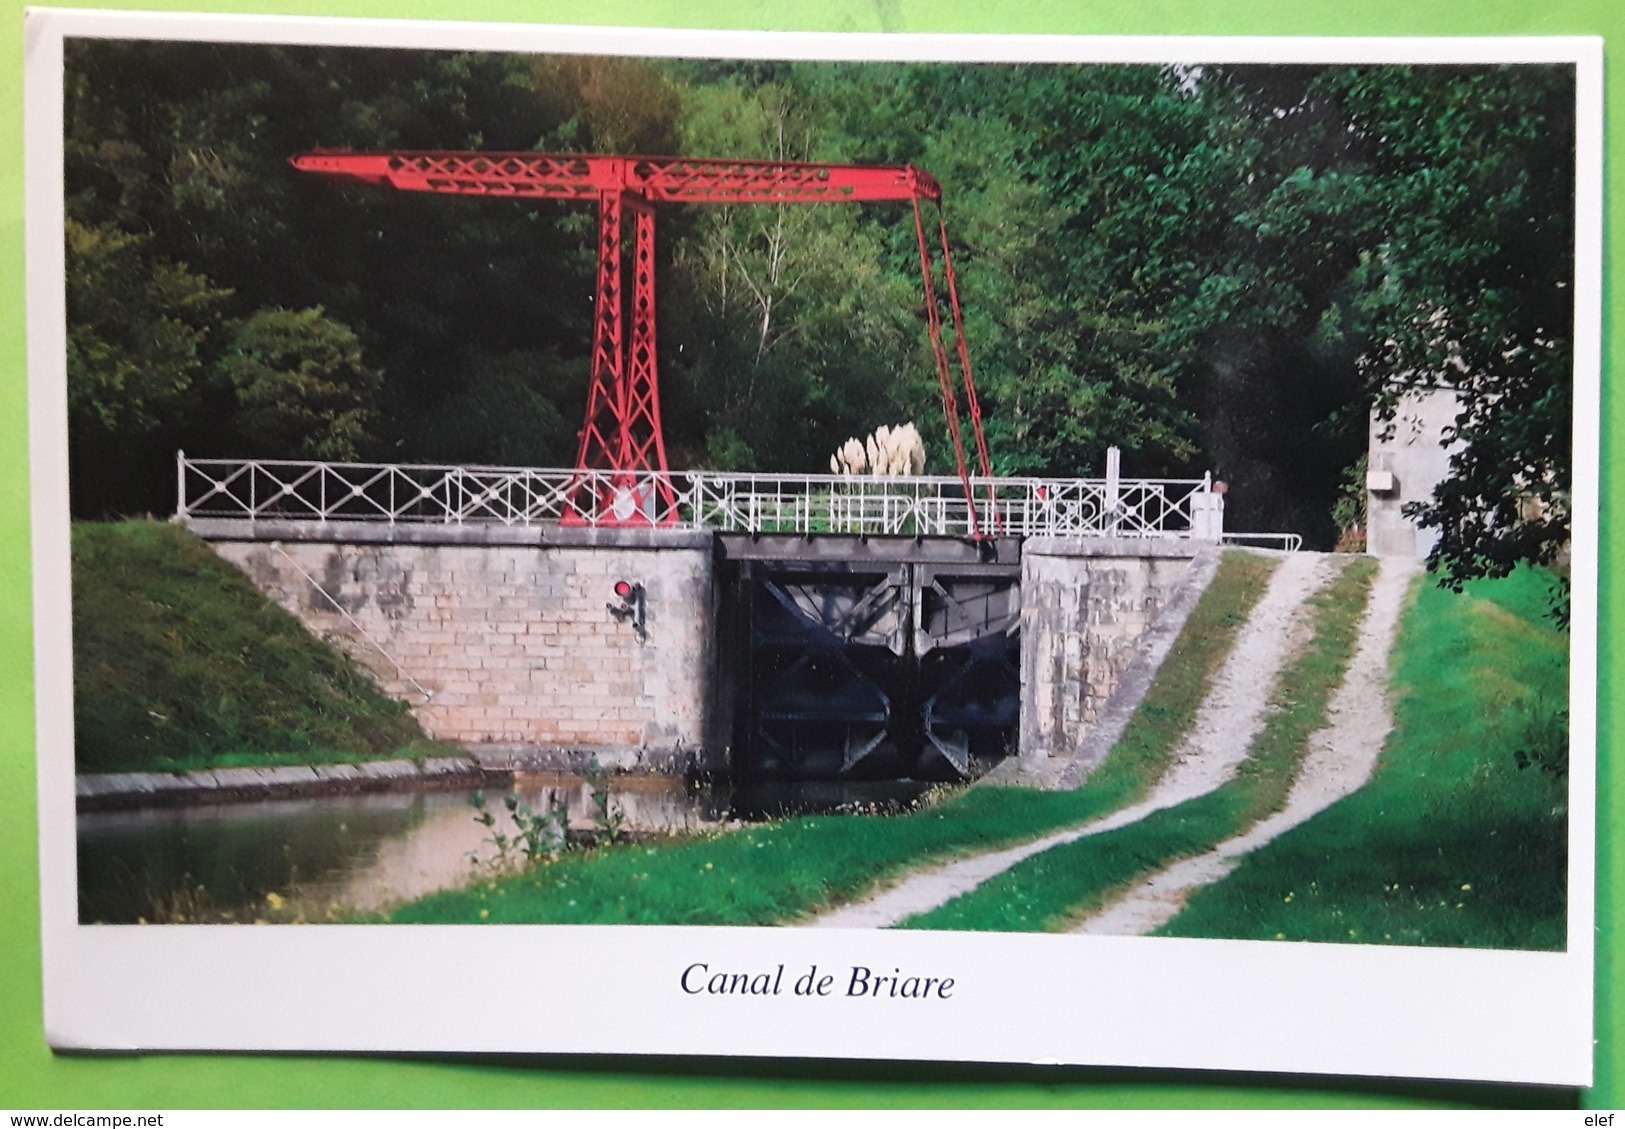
column 501, row 641
column 1085, row 605
column 512, row 646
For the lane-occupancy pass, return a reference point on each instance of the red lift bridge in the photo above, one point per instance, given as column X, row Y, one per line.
column 622, row 430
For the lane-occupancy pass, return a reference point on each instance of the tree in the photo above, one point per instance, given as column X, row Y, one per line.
column 186, row 146
column 141, row 331
column 301, row 387
column 1209, row 267
column 1472, row 290
column 791, row 328
column 138, row 328
column 1393, row 228
column 504, row 411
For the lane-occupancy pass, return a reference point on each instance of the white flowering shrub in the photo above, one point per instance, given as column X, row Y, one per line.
column 889, row 452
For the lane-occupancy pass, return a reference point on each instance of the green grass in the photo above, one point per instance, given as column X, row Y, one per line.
column 758, row 875
column 1052, row 890
column 180, row 662
column 1450, row 844
column 784, row 871
column 762, row 874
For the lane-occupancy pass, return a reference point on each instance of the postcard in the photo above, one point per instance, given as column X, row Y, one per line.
column 1001, row 549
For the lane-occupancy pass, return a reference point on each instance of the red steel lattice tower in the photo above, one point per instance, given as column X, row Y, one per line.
column 622, row 432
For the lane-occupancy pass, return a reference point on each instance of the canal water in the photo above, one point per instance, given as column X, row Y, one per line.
column 332, row 857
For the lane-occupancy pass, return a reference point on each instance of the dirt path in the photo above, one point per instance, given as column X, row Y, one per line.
column 1229, row 718
column 1340, row 759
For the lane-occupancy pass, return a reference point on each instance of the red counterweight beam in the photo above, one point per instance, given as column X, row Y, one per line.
column 583, row 176
column 622, row 431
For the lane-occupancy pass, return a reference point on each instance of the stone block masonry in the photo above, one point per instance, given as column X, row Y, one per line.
column 1086, row 604
column 508, row 647
column 501, row 640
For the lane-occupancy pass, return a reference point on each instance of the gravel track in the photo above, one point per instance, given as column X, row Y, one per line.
column 1228, row 719
column 1340, row 759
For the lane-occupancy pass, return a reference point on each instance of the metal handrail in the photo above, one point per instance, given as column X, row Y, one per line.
column 925, row 505
column 1286, row 542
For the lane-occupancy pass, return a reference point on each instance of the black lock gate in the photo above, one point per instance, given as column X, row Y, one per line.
column 871, row 667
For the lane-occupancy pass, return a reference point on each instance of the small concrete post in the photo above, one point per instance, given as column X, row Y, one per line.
column 1207, row 515
column 1114, row 487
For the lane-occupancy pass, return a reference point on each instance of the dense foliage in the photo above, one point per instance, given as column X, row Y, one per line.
column 1211, row 268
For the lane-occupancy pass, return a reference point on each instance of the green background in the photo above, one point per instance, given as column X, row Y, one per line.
column 32, row 1077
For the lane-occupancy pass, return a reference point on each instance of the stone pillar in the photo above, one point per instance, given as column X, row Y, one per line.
column 1085, row 605
column 1406, row 459
column 1207, row 516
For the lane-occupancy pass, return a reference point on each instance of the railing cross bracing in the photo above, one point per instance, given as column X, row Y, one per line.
column 923, row 506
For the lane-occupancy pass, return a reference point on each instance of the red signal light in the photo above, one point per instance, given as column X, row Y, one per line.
column 630, row 595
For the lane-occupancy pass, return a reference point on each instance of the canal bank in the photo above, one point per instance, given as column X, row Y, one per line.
column 716, row 865
column 359, row 853
column 482, row 767
column 184, row 822
column 123, row 791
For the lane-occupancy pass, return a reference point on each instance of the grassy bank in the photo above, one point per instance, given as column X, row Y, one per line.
column 1052, row 890
column 180, row 662
column 1451, row 843
column 783, row 871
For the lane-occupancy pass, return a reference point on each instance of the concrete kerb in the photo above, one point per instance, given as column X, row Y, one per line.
column 482, row 766
column 124, row 790
column 677, row 761
column 347, row 532
column 1140, row 547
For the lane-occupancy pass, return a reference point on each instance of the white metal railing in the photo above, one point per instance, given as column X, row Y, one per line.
column 263, row 490
column 1287, row 542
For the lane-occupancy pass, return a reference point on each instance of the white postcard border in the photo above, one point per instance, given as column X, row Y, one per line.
column 1256, row 1006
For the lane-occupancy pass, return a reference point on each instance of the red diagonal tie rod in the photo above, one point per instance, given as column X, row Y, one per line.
column 622, row 433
